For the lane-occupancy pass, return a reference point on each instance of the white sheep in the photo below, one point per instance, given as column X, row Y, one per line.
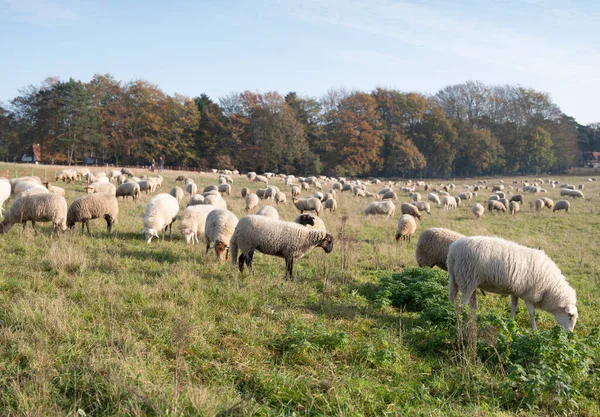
column 252, row 201
column 93, row 206
column 224, row 189
column 192, row 221
column 286, row 240
column 308, row 204
column 4, row 192
column 215, row 200
column 46, row 207
column 191, row 188
column 268, row 211
column 380, row 208
column 280, row 197
column 99, row 187
column 449, row 202
column 513, row 207
column 407, row 226
column 503, row 267
column 477, row 210
column 178, row 193
column 331, row 204
column 562, row 205
column 220, row 225
column 407, row 208
column 496, row 205
column 423, row 206
column 128, row 189
column 195, row 199
column 161, row 212
column 432, row 247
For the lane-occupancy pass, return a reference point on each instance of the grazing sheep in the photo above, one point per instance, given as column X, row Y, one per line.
column 382, row 208
column 215, row 200
column 209, row 188
column 161, row 212
column 562, row 205
column 331, row 204
column 47, row 207
column 268, row 211
column 54, row 189
column 434, row 198
column 503, row 267
column 21, row 187
column 408, row 208
column 4, row 192
column 127, row 172
column 99, row 187
column 195, row 200
column 504, row 201
column 220, row 225
column 494, row 197
column 449, row 202
column 128, row 189
column 416, row 197
column 423, row 206
column 261, row 193
column 548, row 202
column 211, row 192
column 319, row 195
column 14, row 181
column 311, row 222
column 432, row 247
column 178, row 193
column 478, row 210
column 225, row 189
column 93, row 206
column 406, row 227
column 539, row 204
column 287, row 240
column 295, row 190
column 513, row 207
column 192, row 221
column 191, row 188
column 518, row 198
column 390, row 195
column 308, row 204
column 496, row 205
column 280, row 197
column 251, row 201
column 245, row 192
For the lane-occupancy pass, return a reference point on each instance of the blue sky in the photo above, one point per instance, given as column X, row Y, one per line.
column 308, row 46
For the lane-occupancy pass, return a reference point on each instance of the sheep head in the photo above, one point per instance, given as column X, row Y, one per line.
column 326, row 243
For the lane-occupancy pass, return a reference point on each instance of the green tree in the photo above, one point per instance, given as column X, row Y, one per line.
column 538, row 153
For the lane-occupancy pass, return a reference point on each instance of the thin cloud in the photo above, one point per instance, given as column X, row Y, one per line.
column 39, row 12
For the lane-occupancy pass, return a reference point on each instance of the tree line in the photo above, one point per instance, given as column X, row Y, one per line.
column 464, row 129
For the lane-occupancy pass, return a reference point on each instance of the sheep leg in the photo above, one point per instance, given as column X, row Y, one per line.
column 207, row 245
column 289, row 266
column 513, row 306
column 87, row 225
column 34, row 228
column 82, row 227
column 24, row 225
column 249, row 260
column 531, row 309
column 241, row 261
column 108, row 225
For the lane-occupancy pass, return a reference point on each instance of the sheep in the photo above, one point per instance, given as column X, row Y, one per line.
column 359, row 192
column 268, row 211
column 518, row 198
column 211, row 192
column 215, row 200
column 220, row 225
column 93, row 206
column 496, row 205
column 500, row 194
column 449, row 202
column 406, row 227
column 295, row 190
column 38, row 189
column 562, row 205
column 287, row 240
column 390, row 195
column 346, row 187
column 127, row 172
column 504, row 201
column 423, row 206
column 311, row 222
column 331, row 204
column 432, row 247
column 54, row 189
column 416, row 197
column 477, row 210
column 224, row 189
column 513, row 207
column 408, row 208
column 37, row 208
column 195, row 200
column 161, row 212
column 4, row 192
column 494, row 197
column 191, row 188
column 14, row 181
column 434, row 198
column 245, row 192
column 209, row 188
column 319, row 195
column 548, row 202
column 23, row 186
column 114, row 174
column 261, row 193
column 101, row 188
column 251, row 201
column 192, row 221
column 128, row 189
column 386, row 208
column 280, row 197
column 308, row 204
column 503, row 267
column 177, row 192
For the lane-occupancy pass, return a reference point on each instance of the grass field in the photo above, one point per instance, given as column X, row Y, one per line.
column 113, row 326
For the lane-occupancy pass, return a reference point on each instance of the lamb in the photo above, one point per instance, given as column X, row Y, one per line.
column 503, row 267
column 101, row 188
column 128, row 189
column 37, row 208
column 331, row 204
column 496, row 205
column 93, row 206
column 562, row 205
column 433, row 245
column 268, row 211
column 308, row 204
column 311, row 222
column 195, row 199
column 161, row 212
column 287, row 240
column 251, row 201
column 423, row 206
column 178, row 193
column 406, row 227
column 407, row 208
column 192, row 221
column 513, row 207
column 224, row 189
column 383, row 208
column 220, row 225
column 54, row 189
column 478, row 210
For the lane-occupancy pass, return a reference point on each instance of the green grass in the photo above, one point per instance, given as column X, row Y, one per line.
column 111, row 325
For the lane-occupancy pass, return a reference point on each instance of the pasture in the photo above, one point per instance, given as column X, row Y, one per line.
column 112, row 326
